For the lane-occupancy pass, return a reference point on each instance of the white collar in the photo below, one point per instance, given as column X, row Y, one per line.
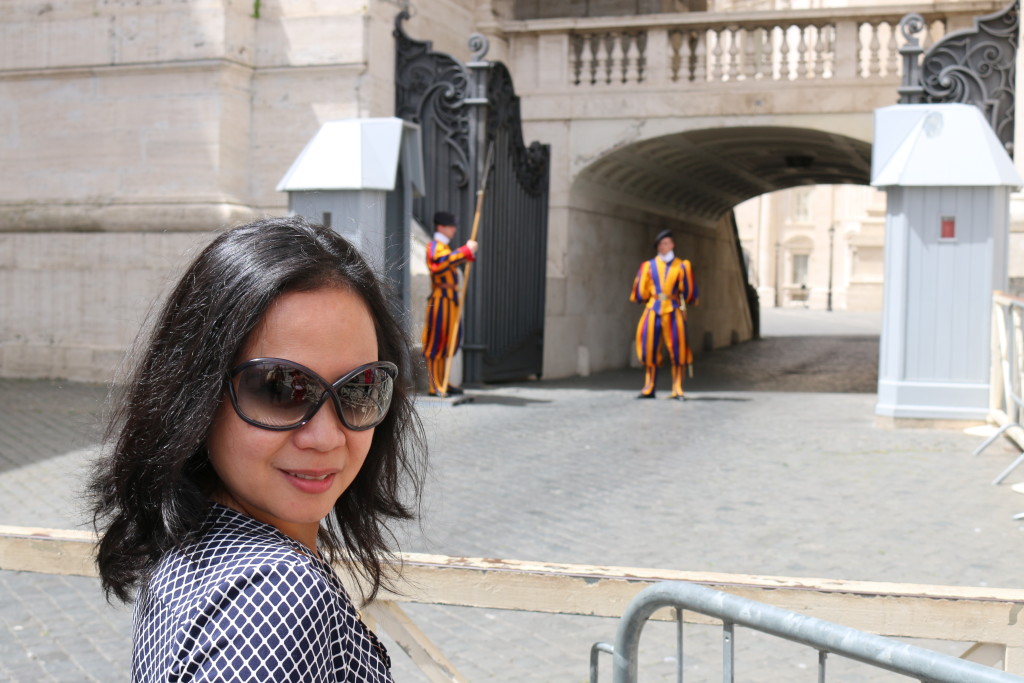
column 441, row 237
column 667, row 258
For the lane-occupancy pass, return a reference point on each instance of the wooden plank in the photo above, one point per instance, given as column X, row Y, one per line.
column 986, row 654
column 1014, row 660
column 415, row 562
column 966, row 614
column 47, row 551
column 424, row 654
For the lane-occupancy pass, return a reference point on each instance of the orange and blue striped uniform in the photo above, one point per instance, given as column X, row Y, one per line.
column 442, row 306
column 666, row 289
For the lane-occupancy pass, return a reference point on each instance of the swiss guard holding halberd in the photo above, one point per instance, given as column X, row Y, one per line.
column 666, row 285
column 443, row 305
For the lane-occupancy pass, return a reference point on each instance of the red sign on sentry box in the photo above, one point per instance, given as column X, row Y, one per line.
column 948, row 228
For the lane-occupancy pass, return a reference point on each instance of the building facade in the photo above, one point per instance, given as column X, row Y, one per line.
column 133, row 132
column 818, row 247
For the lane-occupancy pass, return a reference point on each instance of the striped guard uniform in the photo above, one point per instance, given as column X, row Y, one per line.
column 666, row 289
column 442, row 306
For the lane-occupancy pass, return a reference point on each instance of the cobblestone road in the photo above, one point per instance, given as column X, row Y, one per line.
column 774, row 466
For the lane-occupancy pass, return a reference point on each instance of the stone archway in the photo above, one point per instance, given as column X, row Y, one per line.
column 688, row 181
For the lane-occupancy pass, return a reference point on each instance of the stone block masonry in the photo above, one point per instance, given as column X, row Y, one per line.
column 73, row 302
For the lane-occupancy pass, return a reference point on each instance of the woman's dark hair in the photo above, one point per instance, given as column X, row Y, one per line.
column 151, row 490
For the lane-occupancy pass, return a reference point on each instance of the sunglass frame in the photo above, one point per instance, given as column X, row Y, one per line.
column 331, row 389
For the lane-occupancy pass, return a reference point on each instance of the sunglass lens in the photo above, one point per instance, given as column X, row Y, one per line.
column 366, row 397
column 276, row 395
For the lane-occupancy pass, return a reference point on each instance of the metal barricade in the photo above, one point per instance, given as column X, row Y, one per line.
column 1007, row 404
column 826, row 637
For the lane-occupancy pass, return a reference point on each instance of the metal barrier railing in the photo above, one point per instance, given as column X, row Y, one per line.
column 1006, row 404
column 826, row 637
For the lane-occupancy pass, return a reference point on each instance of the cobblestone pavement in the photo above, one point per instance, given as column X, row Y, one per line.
column 774, row 466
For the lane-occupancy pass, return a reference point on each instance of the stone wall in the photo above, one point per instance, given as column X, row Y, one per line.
column 132, row 132
column 73, row 302
column 120, row 117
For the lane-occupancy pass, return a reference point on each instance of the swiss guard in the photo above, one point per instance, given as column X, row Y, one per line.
column 443, row 304
column 666, row 286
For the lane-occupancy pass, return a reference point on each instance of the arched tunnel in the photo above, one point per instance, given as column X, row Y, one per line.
column 688, row 182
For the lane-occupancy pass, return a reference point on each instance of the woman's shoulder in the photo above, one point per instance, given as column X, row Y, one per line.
column 242, row 596
column 233, row 550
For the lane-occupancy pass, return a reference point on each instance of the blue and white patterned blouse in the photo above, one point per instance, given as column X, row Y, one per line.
column 247, row 603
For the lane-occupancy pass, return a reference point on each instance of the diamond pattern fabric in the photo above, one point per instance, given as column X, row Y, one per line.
column 247, row 603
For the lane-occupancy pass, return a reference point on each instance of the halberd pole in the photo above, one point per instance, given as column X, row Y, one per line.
column 453, row 341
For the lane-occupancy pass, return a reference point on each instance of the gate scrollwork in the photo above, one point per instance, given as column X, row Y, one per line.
column 530, row 163
column 433, row 85
column 975, row 66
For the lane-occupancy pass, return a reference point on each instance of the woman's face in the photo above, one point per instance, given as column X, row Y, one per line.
column 330, row 331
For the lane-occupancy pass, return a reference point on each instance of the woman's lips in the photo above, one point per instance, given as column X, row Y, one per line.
column 310, row 481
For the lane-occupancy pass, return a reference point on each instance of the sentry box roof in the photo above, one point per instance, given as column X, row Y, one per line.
column 357, row 154
column 938, row 145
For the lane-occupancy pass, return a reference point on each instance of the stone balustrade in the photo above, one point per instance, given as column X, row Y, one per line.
column 713, row 48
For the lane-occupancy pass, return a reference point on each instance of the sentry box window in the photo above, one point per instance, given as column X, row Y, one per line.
column 947, row 231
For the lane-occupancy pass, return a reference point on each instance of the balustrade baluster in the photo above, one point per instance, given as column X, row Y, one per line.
column 828, row 58
column 861, row 52
column 595, row 56
column 750, row 53
column 784, row 67
column 641, row 59
column 698, row 62
column 716, row 67
column 734, row 53
column 764, row 53
column 576, row 55
column 926, row 36
column 629, row 58
column 610, row 45
column 937, row 27
column 675, row 42
column 774, row 48
column 819, row 51
column 892, row 54
column 875, row 60
column 802, row 66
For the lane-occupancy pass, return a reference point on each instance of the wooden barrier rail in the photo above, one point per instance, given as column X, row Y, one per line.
column 990, row 618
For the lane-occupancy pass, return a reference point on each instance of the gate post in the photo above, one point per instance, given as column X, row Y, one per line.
column 473, row 346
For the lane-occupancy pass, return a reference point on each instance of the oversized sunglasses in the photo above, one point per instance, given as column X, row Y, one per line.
column 279, row 394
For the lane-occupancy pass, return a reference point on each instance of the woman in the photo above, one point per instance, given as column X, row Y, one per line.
column 267, row 431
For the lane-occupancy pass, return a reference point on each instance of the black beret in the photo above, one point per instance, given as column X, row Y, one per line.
column 444, row 218
column 662, row 235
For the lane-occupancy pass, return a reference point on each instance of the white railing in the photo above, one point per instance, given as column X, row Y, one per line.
column 693, row 48
column 1006, row 395
column 987, row 617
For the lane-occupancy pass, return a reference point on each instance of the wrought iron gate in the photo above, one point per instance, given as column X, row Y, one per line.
column 974, row 66
column 462, row 110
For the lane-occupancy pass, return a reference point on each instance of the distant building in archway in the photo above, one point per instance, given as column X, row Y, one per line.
column 806, row 243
